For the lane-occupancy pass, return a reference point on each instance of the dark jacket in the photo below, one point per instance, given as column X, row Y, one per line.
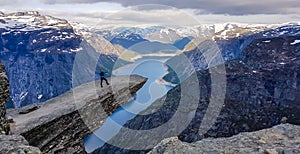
column 102, row 74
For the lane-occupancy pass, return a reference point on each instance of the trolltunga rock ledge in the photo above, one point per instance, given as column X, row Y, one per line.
column 61, row 123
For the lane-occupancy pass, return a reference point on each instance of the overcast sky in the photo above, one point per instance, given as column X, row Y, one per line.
column 163, row 12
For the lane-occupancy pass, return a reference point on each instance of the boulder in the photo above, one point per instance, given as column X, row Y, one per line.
column 280, row 139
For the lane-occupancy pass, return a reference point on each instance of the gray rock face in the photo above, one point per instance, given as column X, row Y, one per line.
column 283, row 138
column 16, row 144
column 10, row 143
column 4, row 94
column 60, row 124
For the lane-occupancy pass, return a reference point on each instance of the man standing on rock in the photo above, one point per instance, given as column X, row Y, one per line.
column 102, row 77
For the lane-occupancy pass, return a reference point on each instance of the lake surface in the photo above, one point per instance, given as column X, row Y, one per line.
column 150, row 67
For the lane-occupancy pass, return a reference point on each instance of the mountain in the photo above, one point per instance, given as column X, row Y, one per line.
column 154, row 48
column 260, row 91
column 229, row 43
column 165, row 35
column 111, row 31
column 125, row 38
column 181, row 43
column 129, row 36
column 41, row 53
column 135, row 42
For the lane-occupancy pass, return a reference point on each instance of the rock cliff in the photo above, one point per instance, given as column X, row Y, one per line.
column 10, row 143
column 4, row 94
column 16, row 144
column 284, row 138
column 60, row 124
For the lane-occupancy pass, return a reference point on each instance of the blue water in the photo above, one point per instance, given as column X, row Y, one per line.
column 152, row 68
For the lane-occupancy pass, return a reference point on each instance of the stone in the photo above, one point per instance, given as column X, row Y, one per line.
column 277, row 143
column 271, row 151
column 16, row 144
column 283, row 120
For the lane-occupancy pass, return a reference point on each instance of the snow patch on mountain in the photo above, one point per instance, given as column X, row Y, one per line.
column 295, row 42
column 28, row 21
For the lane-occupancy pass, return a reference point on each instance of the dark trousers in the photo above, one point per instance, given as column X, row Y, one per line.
column 104, row 80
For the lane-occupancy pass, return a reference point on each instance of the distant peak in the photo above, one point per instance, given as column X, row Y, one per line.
column 31, row 20
column 34, row 13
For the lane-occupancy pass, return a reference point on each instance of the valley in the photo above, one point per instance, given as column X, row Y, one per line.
column 170, row 87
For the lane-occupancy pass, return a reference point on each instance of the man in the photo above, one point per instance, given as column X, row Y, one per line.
column 102, row 74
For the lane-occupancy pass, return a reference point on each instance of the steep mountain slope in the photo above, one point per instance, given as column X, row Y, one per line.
column 262, row 90
column 38, row 53
column 126, row 39
column 229, row 43
column 181, row 43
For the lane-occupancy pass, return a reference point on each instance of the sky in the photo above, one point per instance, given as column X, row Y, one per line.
column 162, row 12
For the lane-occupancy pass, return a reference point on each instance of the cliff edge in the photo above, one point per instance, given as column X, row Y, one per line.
column 284, row 138
column 60, row 124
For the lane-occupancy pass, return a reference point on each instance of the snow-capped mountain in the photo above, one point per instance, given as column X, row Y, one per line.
column 39, row 53
column 201, row 30
column 164, row 35
column 230, row 44
column 98, row 42
column 109, row 32
column 32, row 20
column 170, row 35
column 127, row 39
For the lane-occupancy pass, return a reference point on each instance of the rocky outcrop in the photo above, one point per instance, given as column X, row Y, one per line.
column 60, row 124
column 4, row 94
column 10, row 143
column 16, row 144
column 284, row 138
column 262, row 90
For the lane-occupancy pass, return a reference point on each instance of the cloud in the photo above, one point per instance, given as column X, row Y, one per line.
column 118, row 12
column 128, row 17
column 10, row 2
column 231, row 7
